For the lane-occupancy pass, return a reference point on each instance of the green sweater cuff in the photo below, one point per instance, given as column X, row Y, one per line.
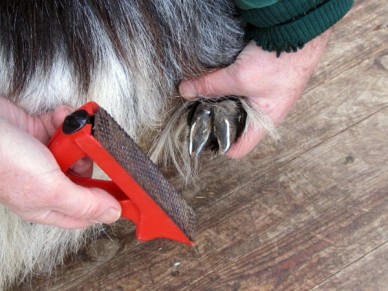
column 252, row 4
column 282, row 11
column 295, row 32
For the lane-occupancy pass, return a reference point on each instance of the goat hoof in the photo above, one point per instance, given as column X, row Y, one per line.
column 215, row 124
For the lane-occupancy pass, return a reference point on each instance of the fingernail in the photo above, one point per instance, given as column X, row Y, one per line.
column 187, row 90
column 109, row 216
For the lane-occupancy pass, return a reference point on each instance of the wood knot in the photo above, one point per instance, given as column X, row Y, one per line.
column 348, row 160
column 103, row 250
column 382, row 61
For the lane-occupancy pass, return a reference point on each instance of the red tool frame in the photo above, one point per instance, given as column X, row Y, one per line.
column 151, row 221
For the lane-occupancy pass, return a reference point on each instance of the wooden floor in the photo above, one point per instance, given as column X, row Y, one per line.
column 309, row 213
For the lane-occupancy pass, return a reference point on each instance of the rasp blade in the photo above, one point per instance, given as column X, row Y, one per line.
column 121, row 146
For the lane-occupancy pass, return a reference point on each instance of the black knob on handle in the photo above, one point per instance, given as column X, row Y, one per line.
column 75, row 121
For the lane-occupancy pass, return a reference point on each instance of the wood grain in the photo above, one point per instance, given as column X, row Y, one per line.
column 309, row 213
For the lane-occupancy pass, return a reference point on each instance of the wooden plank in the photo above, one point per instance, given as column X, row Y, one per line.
column 300, row 235
column 368, row 273
column 287, row 217
column 362, row 33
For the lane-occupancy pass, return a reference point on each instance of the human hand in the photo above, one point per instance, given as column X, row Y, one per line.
column 31, row 182
column 271, row 84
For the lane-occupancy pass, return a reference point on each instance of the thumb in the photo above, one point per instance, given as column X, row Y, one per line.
column 217, row 83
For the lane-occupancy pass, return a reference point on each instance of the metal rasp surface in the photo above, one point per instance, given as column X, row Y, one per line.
column 121, row 146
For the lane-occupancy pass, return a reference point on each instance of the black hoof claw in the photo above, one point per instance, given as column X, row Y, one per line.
column 215, row 124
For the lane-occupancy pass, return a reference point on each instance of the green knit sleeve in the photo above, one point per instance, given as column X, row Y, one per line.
column 252, row 4
column 289, row 24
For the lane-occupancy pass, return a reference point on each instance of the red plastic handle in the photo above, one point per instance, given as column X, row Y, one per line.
column 66, row 151
column 151, row 221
